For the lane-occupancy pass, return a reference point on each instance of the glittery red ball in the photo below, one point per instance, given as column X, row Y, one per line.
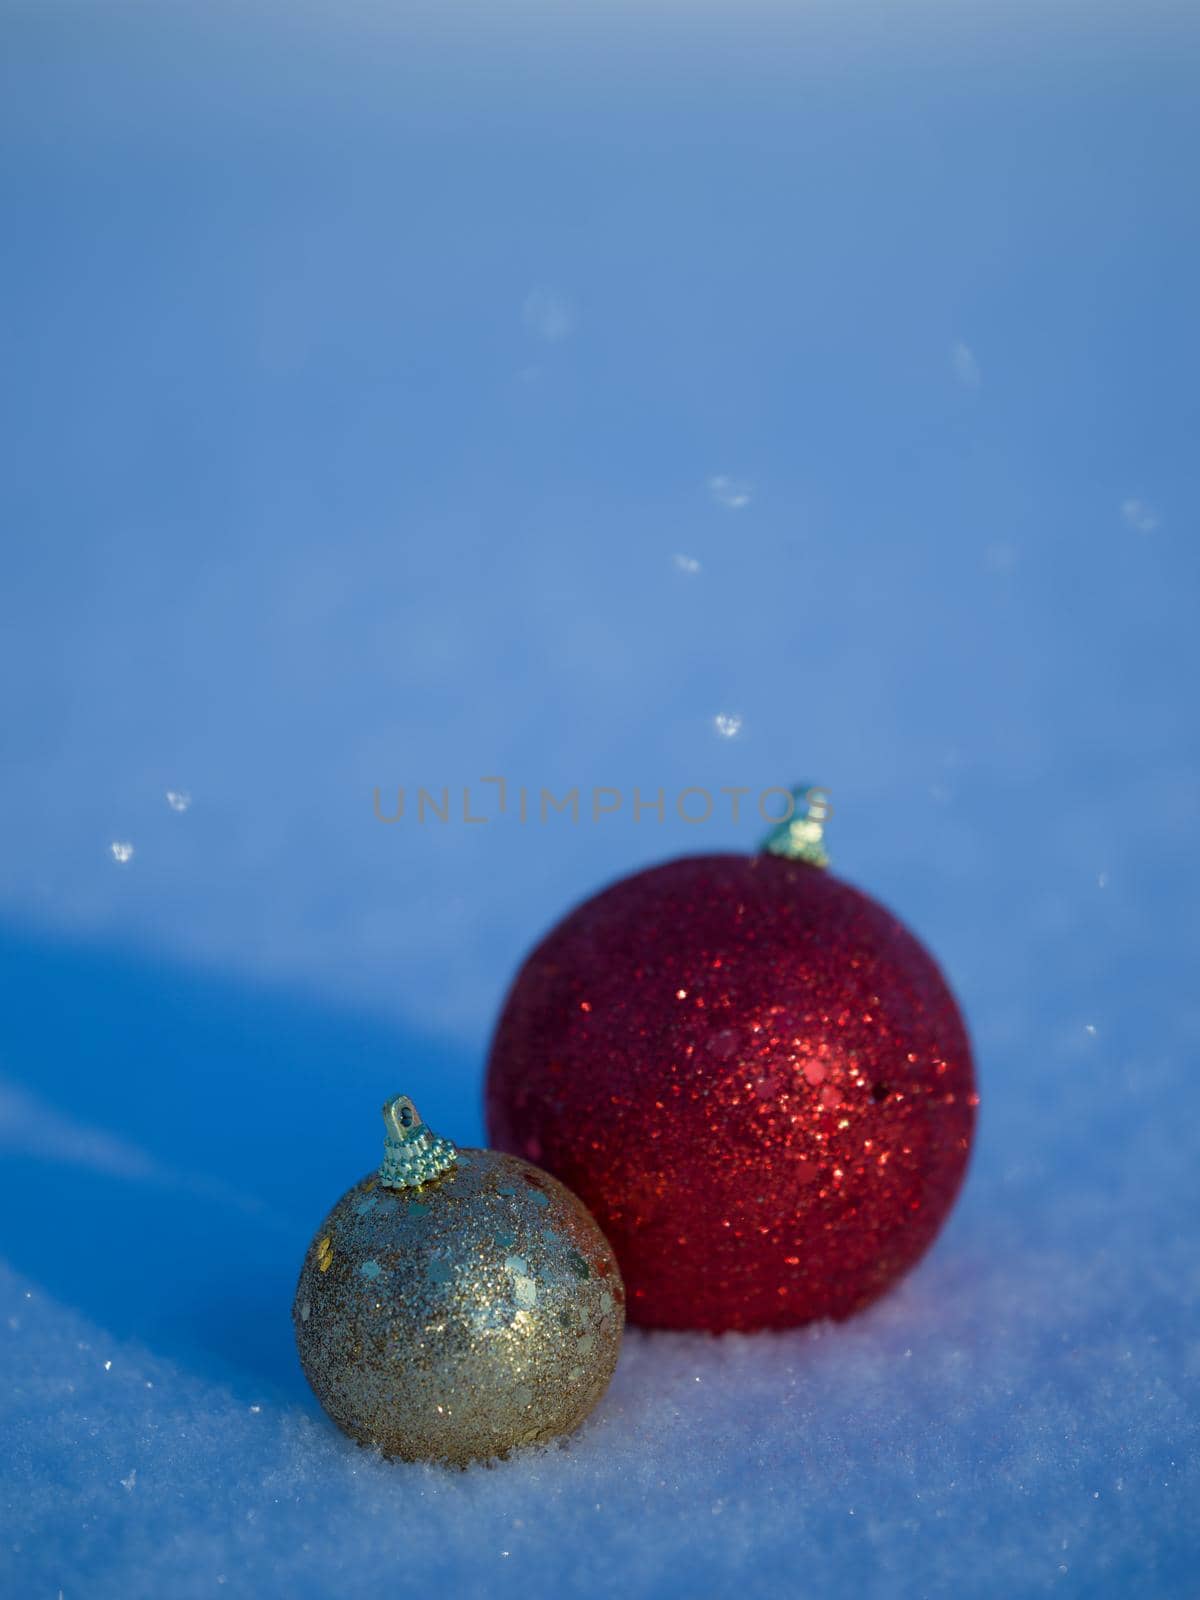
column 756, row 1079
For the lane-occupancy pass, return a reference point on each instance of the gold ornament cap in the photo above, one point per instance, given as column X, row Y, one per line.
column 800, row 835
column 412, row 1153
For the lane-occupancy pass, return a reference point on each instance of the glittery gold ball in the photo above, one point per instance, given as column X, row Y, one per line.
column 454, row 1320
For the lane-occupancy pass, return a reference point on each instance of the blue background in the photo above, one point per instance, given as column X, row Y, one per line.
column 398, row 395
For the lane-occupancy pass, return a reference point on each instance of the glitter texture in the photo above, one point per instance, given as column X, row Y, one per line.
column 755, row 1077
column 484, row 1315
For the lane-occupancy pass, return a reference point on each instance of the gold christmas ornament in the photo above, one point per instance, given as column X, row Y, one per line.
column 457, row 1302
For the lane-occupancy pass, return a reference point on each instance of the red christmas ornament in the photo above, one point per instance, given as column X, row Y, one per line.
column 752, row 1074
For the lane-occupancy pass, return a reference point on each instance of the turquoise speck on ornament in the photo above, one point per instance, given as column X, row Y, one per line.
column 412, row 1153
column 800, row 836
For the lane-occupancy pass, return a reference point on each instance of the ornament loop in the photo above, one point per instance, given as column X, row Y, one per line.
column 800, row 835
column 412, row 1153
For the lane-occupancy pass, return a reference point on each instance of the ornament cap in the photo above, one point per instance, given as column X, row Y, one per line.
column 800, row 835
column 412, row 1153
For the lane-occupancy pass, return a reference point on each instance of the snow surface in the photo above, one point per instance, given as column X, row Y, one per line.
column 369, row 372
